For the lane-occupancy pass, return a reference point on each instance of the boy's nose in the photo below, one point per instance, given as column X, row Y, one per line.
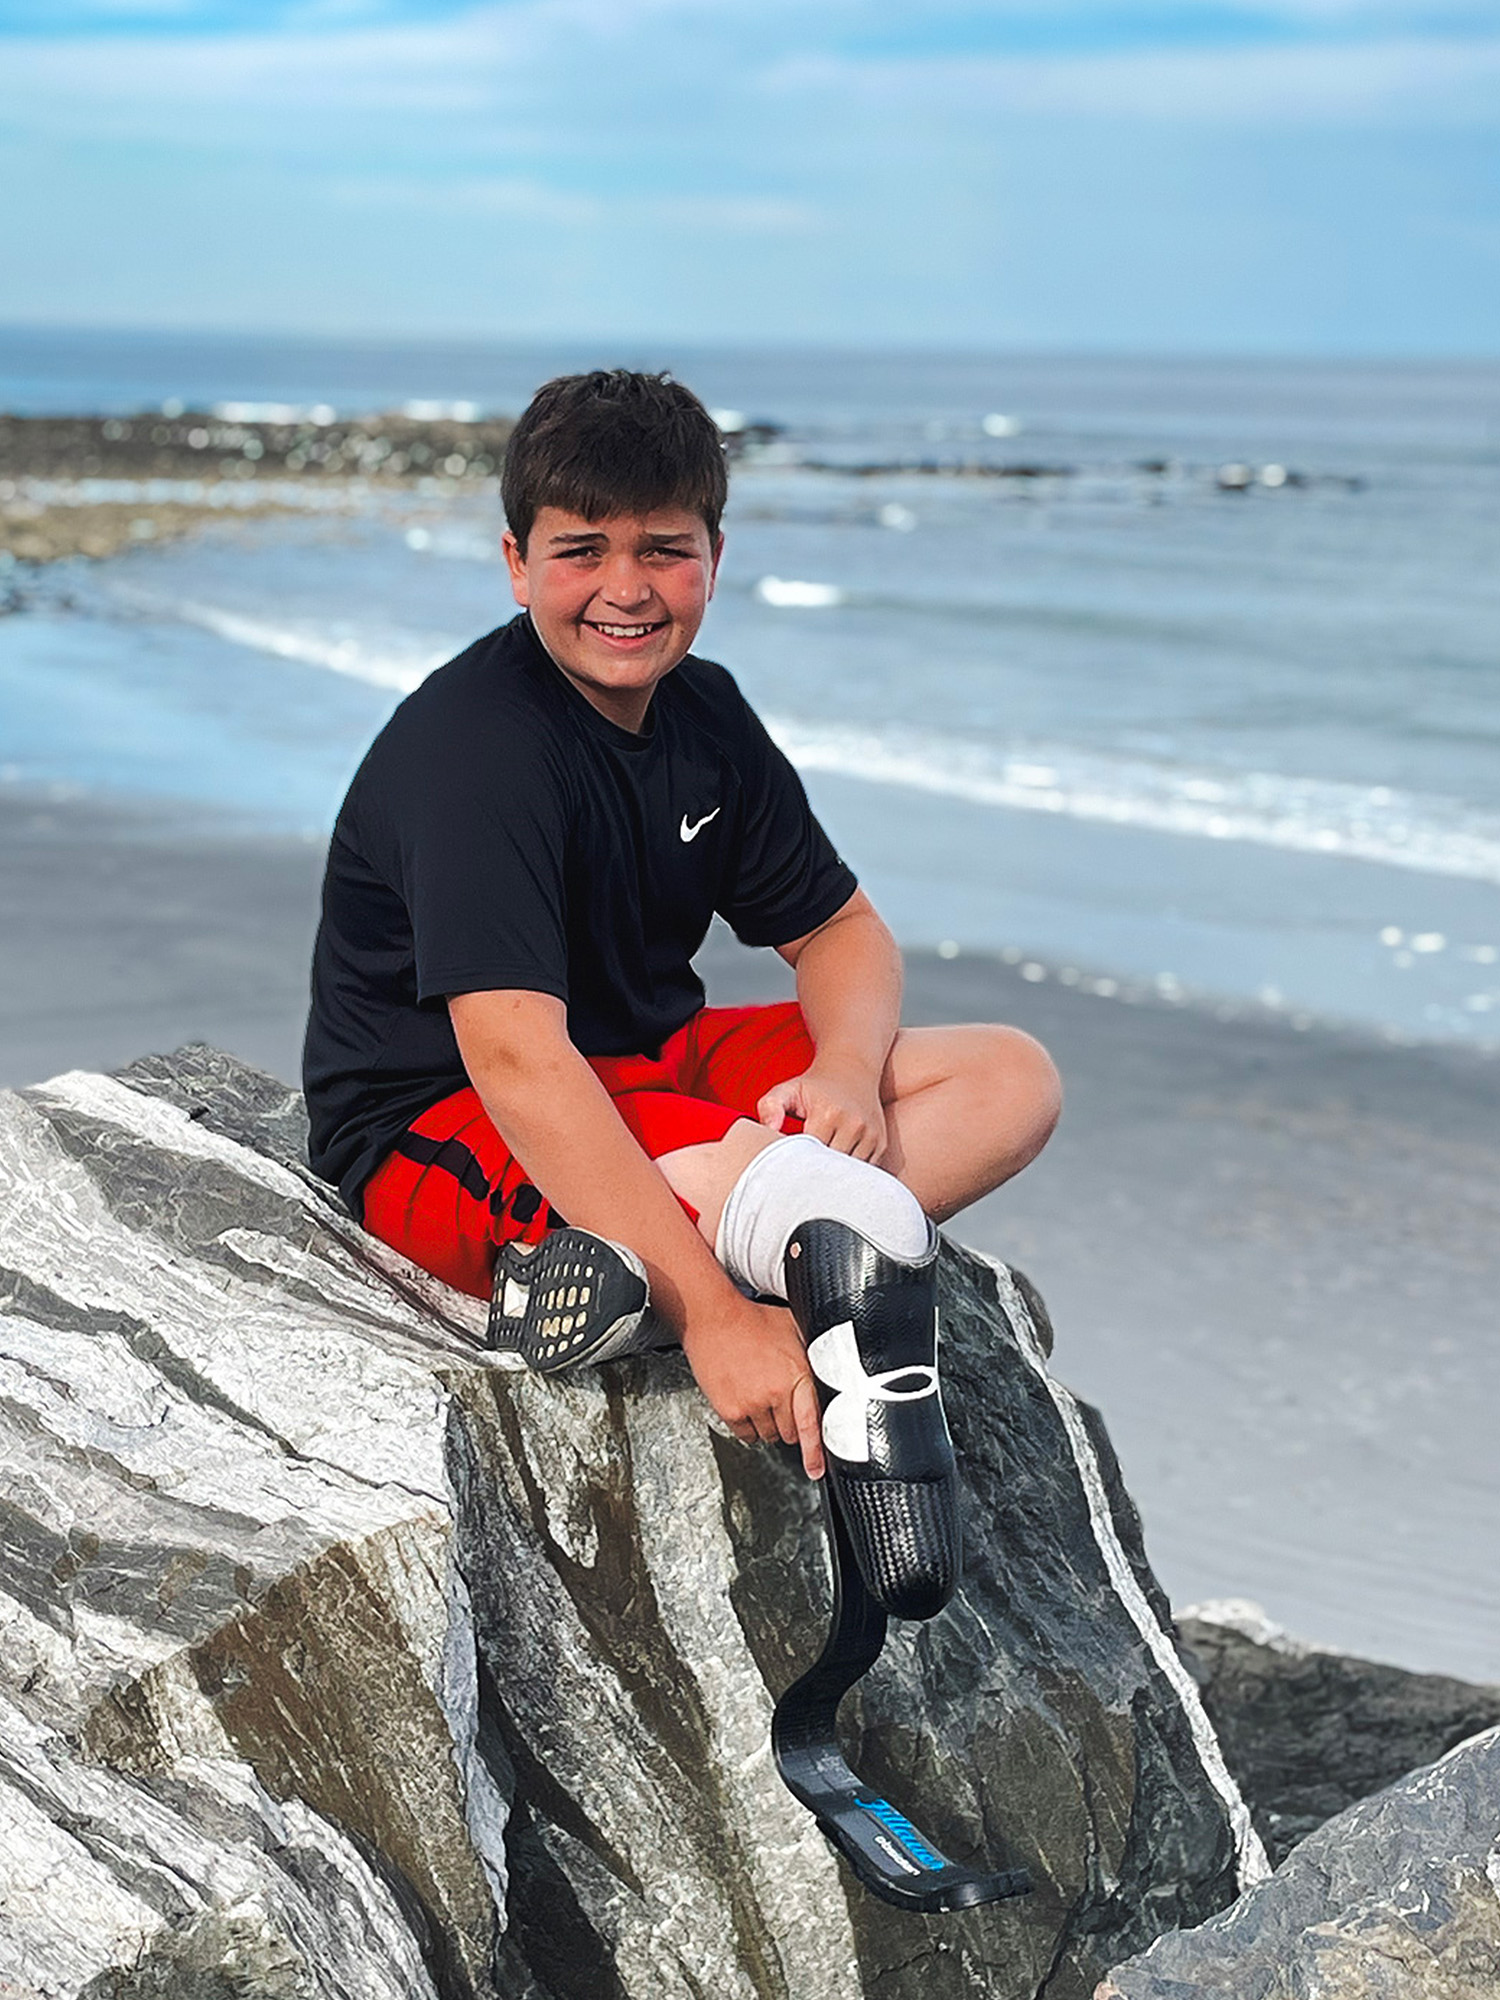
column 626, row 583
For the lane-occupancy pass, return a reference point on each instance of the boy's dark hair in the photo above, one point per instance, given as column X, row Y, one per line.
column 613, row 442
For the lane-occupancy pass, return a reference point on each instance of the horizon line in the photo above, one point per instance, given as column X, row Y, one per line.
column 999, row 348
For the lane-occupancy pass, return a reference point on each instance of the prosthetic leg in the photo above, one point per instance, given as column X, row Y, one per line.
column 870, row 1322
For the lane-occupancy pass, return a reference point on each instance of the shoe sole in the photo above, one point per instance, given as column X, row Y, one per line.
column 585, row 1299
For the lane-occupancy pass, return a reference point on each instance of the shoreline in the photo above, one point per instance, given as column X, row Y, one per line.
column 94, row 486
column 1271, row 1256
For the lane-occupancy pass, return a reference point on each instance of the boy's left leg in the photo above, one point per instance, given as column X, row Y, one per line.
column 966, row 1109
column 850, row 1246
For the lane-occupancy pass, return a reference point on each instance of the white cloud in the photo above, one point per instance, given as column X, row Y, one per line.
column 1441, row 16
column 534, row 201
column 160, row 86
column 517, row 198
column 564, row 60
column 591, row 67
column 1456, row 81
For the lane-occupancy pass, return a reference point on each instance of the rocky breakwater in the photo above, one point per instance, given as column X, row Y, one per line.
column 344, row 1659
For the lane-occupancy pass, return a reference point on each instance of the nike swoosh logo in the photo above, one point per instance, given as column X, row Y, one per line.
column 692, row 832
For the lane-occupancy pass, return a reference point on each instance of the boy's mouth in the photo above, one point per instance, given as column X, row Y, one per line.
column 625, row 635
column 639, row 631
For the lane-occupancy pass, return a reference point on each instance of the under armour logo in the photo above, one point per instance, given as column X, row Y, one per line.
column 692, row 832
column 836, row 1362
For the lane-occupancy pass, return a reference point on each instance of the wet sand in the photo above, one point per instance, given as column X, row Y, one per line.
column 127, row 931
column 1273, row 1258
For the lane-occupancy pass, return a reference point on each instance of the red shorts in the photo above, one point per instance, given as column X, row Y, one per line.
column 452, row 1189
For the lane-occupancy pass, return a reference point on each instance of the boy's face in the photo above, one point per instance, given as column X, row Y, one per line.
column 616, row 602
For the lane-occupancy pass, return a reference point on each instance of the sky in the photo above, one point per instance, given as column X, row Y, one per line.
column 1268, row 176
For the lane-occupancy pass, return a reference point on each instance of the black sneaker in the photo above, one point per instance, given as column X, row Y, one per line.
column 570, row 1300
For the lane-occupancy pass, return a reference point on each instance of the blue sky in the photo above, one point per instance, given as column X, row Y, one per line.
column 1303, row 176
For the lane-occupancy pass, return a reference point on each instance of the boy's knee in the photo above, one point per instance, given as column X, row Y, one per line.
column 798, row 1180
column 1023, row 1081
column 1011, row 1059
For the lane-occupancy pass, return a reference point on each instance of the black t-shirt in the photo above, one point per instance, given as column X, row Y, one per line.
column 501, row 832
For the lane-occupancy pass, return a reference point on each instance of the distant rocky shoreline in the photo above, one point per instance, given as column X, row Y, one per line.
column 92, row 486
column 203, row 444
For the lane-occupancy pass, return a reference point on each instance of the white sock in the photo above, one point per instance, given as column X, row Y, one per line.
column 798, row 1179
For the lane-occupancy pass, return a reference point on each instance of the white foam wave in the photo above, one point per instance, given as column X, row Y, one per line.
column 788, row 594
column 1306, row 815
column 318, row 645
column 457, row 544
column 235, row 495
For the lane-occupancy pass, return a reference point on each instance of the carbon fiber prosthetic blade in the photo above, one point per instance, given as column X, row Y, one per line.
column 890, row 1499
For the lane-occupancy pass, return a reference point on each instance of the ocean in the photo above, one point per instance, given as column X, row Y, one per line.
column 1167, row 679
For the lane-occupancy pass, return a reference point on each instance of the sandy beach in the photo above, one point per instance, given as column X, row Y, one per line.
column 1272, row 1257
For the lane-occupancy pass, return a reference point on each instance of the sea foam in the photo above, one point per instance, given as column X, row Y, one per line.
column 1377, row 823
column 316, row 644
column 1437, row 836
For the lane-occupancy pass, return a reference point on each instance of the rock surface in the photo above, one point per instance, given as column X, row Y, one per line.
column 1396, row 1899
column 1306, row 1731
column 197, row 1882
column 350, row 1659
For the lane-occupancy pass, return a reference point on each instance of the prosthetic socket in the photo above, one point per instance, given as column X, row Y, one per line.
column 856, row 1260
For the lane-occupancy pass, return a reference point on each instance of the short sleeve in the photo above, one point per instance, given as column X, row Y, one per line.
column 479, row 828
column 788, row 878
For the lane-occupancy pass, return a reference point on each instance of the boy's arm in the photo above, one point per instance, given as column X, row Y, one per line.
column 556, row 1116
column 849, row 985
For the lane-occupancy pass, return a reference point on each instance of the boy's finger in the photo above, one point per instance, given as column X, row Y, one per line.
column 776, row 1103
column 809, row 1425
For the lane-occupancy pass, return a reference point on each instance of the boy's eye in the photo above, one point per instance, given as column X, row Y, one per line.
column 585, row 553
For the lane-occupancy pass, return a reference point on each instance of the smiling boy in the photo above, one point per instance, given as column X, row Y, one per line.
column 527, row 860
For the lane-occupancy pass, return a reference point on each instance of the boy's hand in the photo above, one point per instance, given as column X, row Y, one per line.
column 838, row 1103
column 752, row 1367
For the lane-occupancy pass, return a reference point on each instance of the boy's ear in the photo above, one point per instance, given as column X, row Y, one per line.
column 515, row 562
column 713, row 573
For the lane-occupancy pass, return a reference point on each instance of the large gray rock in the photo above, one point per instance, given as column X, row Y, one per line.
column 460, row 1664
column 1396, row 1899
column 197, row 1882
column 1307, row 1731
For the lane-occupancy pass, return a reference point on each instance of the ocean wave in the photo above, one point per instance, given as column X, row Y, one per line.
column 1436, row 836
column 316, row 644
column 788, row 594
column 1376, row 823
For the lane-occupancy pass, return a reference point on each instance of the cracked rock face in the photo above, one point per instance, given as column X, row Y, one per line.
column 348, row 1659
column 1397, row 1898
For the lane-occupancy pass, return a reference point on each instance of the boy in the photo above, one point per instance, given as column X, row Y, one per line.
column 525, row 864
